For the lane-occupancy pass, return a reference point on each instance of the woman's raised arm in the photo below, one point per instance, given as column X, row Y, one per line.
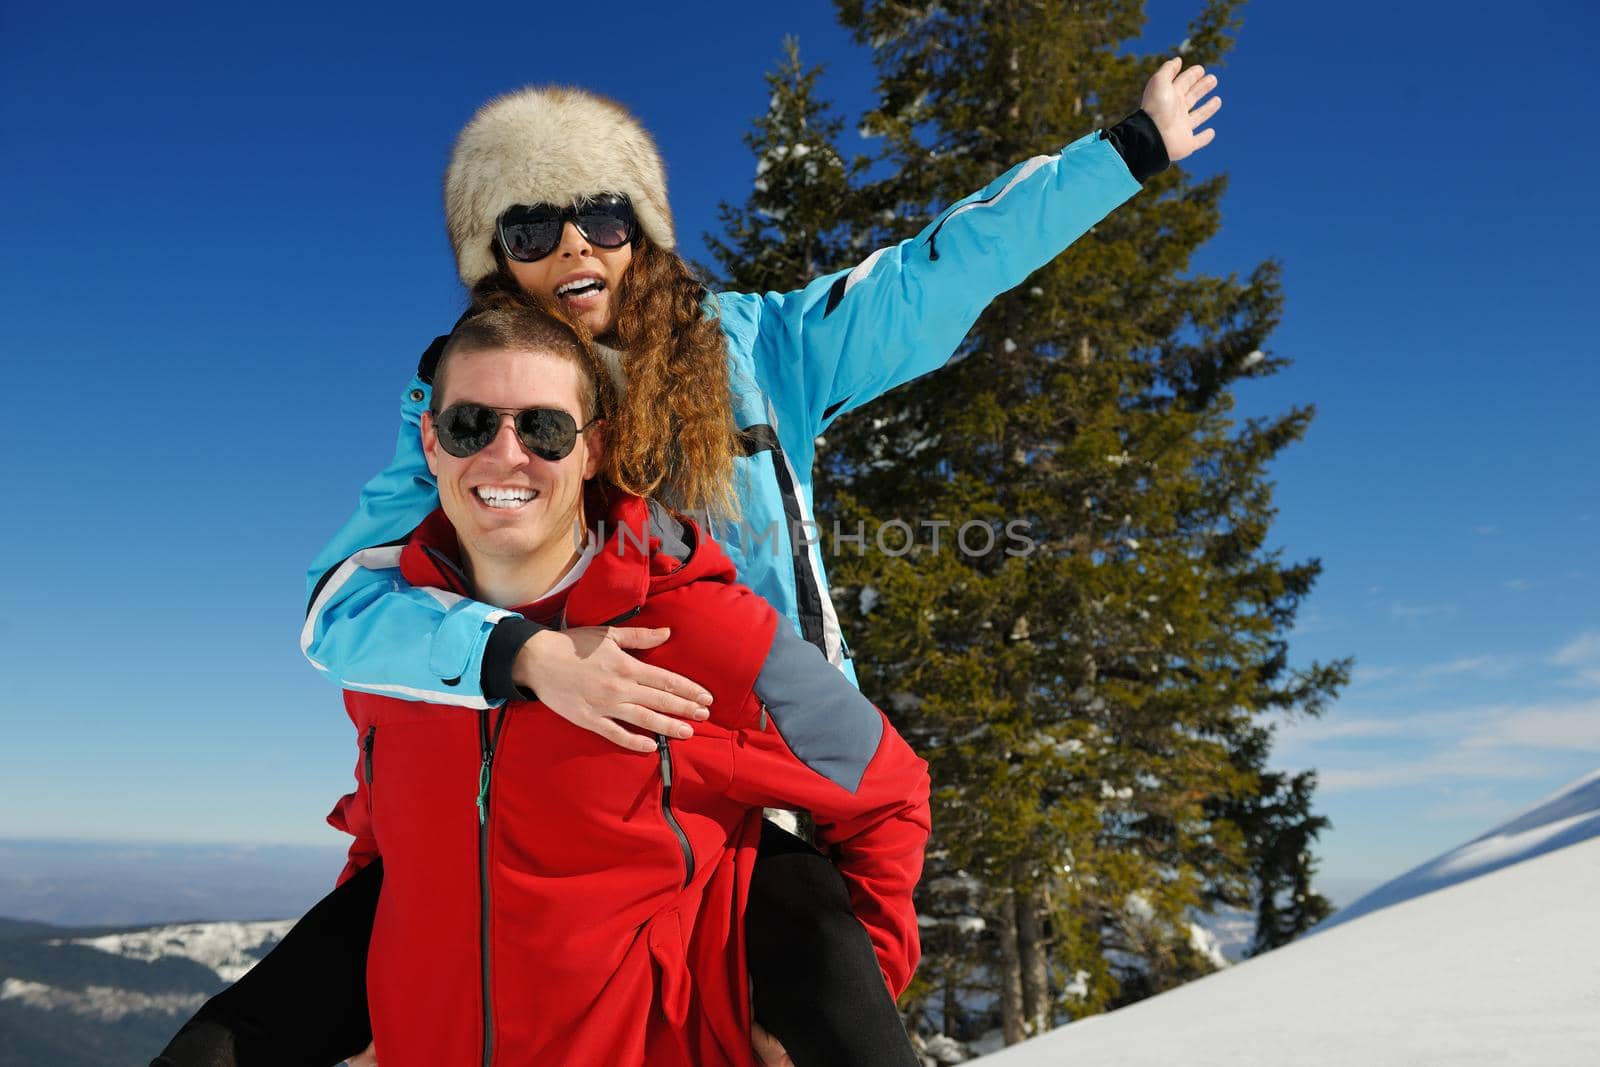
column 849, row 337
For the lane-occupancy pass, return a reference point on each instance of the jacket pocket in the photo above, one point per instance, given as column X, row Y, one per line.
column 369, row 743
column 665, row 755
column 665, row 937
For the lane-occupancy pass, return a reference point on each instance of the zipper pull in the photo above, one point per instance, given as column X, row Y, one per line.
column 483, row 791
column 666, row 760
column 762, row 724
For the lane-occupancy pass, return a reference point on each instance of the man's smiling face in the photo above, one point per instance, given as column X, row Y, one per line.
column 505, row 502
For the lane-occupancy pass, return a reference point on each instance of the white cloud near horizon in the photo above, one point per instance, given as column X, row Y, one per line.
column 1387, row 745
column 1582, row 654
column 1492, row 665
column 1370, row 675
column 1472, row 803
column 1488, row 743
column 1581, row 651
column 1422, row 611
column 1411, row 678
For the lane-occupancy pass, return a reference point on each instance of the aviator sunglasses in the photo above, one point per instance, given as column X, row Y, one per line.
column 528, row 233
column 466, row 429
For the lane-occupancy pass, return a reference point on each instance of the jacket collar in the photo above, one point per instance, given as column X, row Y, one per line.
column 645, row 549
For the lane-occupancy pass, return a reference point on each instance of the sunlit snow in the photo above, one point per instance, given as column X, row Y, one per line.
column 99, row 1002
column 1489, row 954
column 229, row 948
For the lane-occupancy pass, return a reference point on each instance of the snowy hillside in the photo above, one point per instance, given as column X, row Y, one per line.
column 1489, row 954
column 1566, row 817
column 97, row 998
column 230, row 949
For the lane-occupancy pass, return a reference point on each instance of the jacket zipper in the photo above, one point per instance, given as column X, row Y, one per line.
column 487, row 743
column 366, row 754
column 933, row 249
column 808, row 594
column 666, row 808
column 665, row 755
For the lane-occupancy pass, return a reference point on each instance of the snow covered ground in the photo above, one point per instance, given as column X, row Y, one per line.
column 103, row 997
column 1568, row 816
column 229, row 948
column 1489, row 954
column 99, row 1002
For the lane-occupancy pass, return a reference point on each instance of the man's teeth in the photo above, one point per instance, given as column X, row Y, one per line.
column 581, row 287
column 497, row 497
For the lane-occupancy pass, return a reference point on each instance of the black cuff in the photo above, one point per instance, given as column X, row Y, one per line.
column 500, row 655
column 429, row 363
column 1139, row 143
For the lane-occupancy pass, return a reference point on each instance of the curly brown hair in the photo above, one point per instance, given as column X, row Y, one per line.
column 672, row 434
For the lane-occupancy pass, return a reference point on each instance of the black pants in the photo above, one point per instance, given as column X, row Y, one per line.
column 818, row 986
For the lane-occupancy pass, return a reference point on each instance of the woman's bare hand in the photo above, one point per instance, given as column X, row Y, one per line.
column 1170, row 97
column 769, row 1050
column 587, row 677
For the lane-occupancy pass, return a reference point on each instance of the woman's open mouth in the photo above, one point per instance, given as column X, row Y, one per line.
column 580, row 293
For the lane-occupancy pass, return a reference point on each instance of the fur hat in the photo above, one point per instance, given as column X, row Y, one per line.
column 548, row 145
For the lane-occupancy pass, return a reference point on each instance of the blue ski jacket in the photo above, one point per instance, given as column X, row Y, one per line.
column 797, row 361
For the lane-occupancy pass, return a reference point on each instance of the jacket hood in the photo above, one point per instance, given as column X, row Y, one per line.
column 646, row 550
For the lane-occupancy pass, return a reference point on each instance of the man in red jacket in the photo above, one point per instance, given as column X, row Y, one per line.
column 548, row 897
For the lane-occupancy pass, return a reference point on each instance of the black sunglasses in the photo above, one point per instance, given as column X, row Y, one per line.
column 466, row 429
column 528, row 233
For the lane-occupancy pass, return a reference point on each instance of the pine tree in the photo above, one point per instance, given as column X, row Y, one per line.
column 1093, row 710
column 1281, row 829
column 790, row 230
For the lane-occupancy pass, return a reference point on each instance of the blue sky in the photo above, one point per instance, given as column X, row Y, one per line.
column 223, row 253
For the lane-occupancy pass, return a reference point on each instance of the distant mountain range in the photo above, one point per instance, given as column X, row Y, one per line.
column 97, row 970
column 99, row 997
column 112, row 997
column 108, row 950
column 82, row 883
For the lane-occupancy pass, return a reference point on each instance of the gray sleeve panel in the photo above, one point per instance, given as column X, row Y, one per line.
column 674, row 533
column 825, row 720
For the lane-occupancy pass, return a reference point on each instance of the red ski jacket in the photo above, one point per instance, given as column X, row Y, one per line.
column 550, row 898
